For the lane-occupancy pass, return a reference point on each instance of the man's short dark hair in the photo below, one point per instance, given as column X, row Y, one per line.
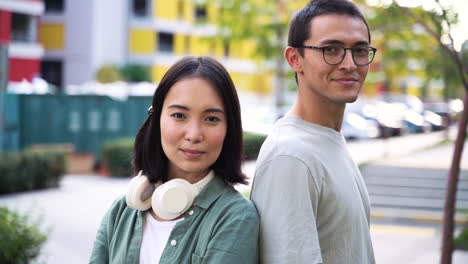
column 148, row 154
column 299, row 27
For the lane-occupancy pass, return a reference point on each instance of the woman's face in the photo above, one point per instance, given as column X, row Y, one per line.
column 193, row 127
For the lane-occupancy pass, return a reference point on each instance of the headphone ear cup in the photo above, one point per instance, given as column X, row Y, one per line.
column 173, row 198
column 133, row 196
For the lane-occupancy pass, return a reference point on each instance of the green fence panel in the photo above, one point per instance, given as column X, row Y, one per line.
column 11, row 125
column 86, row 121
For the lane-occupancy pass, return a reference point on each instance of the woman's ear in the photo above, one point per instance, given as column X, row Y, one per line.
column 293, row 58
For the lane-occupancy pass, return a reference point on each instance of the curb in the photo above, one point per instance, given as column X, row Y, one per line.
column 420, row 217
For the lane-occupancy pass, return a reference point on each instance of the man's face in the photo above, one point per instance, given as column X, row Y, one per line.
column 339, row 83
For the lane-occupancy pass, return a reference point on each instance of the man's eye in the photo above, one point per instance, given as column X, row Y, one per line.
column 332, row 50
column 361, row 51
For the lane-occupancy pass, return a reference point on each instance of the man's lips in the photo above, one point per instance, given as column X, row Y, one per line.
column 346, row 81
column 192, row 153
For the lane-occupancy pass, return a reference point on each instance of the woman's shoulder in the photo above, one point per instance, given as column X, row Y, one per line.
column 236, row 203
column 120, row 209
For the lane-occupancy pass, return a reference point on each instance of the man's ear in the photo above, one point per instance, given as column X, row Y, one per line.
column 293, row 58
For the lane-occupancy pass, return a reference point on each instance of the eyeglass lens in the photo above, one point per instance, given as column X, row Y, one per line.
column 336, row 54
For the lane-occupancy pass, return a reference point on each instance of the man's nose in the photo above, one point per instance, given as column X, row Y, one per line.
column 348, row 61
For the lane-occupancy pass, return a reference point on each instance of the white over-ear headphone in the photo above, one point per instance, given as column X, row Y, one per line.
column 168, row 200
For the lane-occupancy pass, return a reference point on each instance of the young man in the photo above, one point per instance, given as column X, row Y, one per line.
column 312, row 201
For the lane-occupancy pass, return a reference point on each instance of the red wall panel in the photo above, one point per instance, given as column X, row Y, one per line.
column 5, row 26
column 23, row 69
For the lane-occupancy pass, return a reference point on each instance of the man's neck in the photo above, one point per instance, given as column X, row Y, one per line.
column 315, row 109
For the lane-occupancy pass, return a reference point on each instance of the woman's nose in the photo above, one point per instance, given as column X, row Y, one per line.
column 194, row 132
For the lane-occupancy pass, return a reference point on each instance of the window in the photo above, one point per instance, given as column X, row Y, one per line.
column 23, row 28
column 53, row 6
column 51, row 71
column 140, row 8
column 166, row 42
column 200, row 13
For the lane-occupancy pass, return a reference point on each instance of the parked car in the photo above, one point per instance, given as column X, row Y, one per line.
column 357, row 127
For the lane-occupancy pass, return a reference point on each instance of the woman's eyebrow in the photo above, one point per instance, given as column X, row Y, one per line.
column 179, row 107
column 209, row 110
column 214, row 110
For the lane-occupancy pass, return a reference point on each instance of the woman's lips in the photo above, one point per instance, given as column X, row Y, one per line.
column 192, row 153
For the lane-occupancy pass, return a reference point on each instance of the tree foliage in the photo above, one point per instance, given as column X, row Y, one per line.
column 407, row 49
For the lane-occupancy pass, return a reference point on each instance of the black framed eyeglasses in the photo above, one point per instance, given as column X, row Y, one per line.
column 334, row 55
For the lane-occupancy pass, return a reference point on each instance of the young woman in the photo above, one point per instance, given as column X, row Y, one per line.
column 182, row 208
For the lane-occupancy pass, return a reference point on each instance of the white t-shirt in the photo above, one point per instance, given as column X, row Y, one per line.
column 155, row 235
column 311, row 198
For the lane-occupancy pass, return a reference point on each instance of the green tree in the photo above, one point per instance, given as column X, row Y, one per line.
column 265, row 22
column 407, row 49
column 135, row 73
column 438, row 25
column 108, row 74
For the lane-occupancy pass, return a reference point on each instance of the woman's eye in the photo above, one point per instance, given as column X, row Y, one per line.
column 213, row 119
column 178, row 116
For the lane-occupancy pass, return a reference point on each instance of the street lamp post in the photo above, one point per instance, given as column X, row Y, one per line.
column 3, row 84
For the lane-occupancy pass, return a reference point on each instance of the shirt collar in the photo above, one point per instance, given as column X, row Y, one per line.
column 210, row 193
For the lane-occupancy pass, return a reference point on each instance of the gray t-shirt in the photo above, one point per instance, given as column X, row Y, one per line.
column 312, row 201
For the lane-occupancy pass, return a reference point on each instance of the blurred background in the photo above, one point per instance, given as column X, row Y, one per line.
column 76, row 80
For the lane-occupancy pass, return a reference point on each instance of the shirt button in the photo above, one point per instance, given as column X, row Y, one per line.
column 191, row 212
column 173, row 242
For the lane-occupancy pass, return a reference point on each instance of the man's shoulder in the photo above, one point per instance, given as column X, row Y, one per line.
column 288, row 140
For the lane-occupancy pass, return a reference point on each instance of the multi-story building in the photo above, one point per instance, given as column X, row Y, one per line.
column 80, row 37
column 19, row 21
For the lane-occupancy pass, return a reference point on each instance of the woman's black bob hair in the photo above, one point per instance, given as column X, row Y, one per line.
column 148, row 154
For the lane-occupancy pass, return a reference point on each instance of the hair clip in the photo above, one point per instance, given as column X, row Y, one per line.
column 150, row 110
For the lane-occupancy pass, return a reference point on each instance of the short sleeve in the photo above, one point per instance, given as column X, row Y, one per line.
column 286, row 193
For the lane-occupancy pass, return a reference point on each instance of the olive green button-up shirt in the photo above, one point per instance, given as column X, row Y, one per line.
column 220, row 227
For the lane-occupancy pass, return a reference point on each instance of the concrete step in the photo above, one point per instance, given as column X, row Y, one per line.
column 417, row 203
column 412, row 188
column 438, row 193
column 410, row 172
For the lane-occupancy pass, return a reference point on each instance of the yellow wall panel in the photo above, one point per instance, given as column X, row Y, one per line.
column 249, row 48
column 200, row 46
column 142, row 41
column 189, row 10
column 157, row 72
column 416, row 91
column 212, row 13
column 180, row 44
column 51, row 36
column 235, row 49
column 165, row 9
column 218, row 48
column 258, row 82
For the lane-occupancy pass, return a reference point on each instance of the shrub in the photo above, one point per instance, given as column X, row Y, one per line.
column 31, row 170
column 252, row 144
column 461, row 241
column 108, row 74
column 21, row 239
column 117, row 156
column 135, row 73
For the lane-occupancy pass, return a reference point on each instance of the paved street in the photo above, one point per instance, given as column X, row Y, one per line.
column 72, row 213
